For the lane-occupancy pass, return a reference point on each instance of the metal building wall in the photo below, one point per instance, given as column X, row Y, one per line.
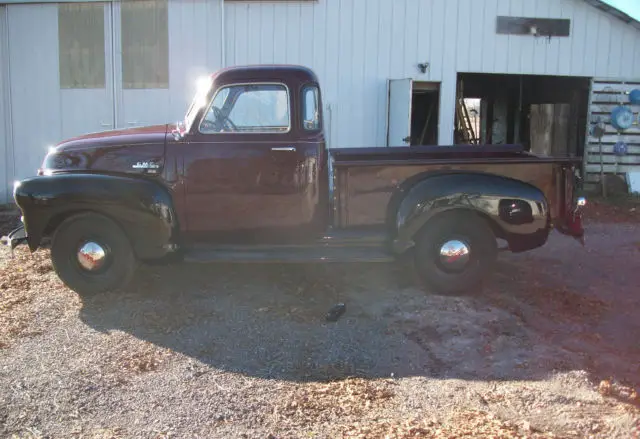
column 356, row 45
column 41, row 114
column 33, row 86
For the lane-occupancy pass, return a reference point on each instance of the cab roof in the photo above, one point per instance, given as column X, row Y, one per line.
column 257, row 72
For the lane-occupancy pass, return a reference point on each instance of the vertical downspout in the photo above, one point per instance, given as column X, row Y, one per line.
column 223, row 35
column 585, row 145
column 330, row 169
column 115, row 94
column 10, row 156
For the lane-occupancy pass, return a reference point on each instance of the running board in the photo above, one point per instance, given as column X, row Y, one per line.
column 286, row 254
column 357, row 238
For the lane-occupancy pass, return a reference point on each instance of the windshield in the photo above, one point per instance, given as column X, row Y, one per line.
column 199, row 101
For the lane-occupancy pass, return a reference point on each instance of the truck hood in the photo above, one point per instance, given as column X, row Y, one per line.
column 138, row 135
column 130, row 151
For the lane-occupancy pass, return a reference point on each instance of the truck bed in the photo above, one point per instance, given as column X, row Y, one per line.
column 453, row 153
column 365, row 178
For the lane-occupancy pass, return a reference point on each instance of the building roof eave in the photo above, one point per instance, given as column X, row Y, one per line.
column 612, row 10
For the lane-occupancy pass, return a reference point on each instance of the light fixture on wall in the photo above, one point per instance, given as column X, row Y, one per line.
column 423, row 67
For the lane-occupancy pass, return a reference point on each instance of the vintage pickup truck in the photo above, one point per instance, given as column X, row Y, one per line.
column 246, row 177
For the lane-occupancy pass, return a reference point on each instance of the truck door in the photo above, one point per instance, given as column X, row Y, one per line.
column 245, row 169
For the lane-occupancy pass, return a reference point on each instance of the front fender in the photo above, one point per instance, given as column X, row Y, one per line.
column 143, row 208
column 518, row 211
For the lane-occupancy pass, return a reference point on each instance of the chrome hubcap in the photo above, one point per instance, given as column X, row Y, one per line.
column 91, row 256
column 454, row 255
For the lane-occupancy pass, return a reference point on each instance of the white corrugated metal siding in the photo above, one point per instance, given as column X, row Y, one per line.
column 34, row 85
column 354, row 46
column 42, row 113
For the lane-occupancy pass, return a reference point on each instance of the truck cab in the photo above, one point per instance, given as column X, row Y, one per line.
column 253, row 157
column 244, row 177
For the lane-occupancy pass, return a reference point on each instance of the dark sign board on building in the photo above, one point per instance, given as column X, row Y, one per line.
column 544, row 27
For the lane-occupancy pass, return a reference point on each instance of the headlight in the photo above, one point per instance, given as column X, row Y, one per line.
column 16, row 185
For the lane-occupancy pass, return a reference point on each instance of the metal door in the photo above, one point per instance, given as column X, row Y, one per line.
column 141, row 63
column 399, row 112
column 86, row 107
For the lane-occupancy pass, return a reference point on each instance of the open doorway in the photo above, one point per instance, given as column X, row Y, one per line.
column 545, row 114
column 413, row 112
column 425, row 102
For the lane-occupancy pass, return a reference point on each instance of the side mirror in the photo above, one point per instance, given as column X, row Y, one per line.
column 179, row 132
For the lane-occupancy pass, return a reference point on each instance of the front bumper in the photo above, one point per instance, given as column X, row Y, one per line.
column 15, row 238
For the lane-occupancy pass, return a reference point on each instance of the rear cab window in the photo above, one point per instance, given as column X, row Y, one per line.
column 311, row 107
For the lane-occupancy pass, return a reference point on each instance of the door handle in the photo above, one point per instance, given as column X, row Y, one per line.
column 284, row 148
column 105, row 125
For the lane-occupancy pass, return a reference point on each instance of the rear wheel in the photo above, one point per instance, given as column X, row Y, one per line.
column 91, row 254
column 455, row 252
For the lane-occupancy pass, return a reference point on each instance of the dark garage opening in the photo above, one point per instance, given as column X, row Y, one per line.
column 545, row 114
column 425, row 105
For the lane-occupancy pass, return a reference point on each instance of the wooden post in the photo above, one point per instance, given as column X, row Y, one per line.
column 560, row 129
column 603, row 183
column 542, row 129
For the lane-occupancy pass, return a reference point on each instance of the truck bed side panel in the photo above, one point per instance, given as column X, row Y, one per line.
column 363, row 192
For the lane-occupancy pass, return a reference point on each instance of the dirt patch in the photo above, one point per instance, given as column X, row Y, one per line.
column 612, row 210
column 9, row 220
column 31, row 296
column 621, row 392
column 138, row 359
column 476, row 424
column 99, row 433
column 547, row 349
column 315, row 403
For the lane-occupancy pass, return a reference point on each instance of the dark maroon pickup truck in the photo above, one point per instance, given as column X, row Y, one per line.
column 246, row 177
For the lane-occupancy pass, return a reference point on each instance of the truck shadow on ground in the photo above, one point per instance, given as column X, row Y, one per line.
column 268, row 321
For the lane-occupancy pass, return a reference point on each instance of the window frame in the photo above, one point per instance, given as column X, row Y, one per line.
column 240, row 84
column 66, row 8
column 303, row 89
column 127, row 85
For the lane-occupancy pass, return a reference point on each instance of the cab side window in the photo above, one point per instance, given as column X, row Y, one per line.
column 254, row 108
column 311, row 108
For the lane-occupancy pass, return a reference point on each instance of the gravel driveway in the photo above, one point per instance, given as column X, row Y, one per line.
column 548, row 348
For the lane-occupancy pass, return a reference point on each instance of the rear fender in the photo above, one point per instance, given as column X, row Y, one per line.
column 517, row 211
column 143, row 208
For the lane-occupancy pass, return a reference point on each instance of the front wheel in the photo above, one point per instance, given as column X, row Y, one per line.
column 91, row 254
column 455, row 252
